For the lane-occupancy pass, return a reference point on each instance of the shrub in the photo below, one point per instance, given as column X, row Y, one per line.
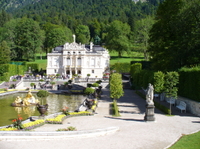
column 99, row 81
column 70, row 128
column 32, row 84
column 95, row 85
column 121, row 67
column 42, row 93
column 89, row 91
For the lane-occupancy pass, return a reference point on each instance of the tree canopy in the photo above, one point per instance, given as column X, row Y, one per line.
column 117, row 38
column 4, row 53
column 174, row 38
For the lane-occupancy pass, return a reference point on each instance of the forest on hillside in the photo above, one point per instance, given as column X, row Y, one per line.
column 73, row 12
column 165, row 31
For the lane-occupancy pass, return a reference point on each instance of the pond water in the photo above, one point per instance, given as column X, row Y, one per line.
column 56, row 102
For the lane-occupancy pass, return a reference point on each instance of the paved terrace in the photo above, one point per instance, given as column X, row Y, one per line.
column 102, row 131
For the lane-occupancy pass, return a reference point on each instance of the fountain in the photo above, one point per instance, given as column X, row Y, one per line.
column 27, row 101
column 55, row 102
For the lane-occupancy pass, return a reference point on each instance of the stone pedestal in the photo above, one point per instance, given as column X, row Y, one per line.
column 149, row 114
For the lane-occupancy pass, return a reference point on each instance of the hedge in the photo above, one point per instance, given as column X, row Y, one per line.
column 121, row 67
column 189, row 83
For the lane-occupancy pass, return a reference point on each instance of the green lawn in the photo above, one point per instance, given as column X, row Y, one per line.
column 42, row 63
column 188, row 142
column 134, row 56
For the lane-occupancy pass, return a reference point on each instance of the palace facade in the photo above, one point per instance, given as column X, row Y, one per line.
column 73, row 58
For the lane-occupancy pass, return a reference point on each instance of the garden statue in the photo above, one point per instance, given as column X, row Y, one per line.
column 27, row 101
column 150, row 95
column 149, row 114
column 18, row 100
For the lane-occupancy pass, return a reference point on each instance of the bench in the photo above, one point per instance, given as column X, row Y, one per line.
column 182, row 106
column 171, row 101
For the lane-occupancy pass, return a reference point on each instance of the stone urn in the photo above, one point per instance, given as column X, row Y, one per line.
column 42, row 109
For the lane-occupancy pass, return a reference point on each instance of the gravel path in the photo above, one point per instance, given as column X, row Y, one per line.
column 134, row 132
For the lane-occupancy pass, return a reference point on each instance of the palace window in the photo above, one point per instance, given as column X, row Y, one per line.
column 55, row 62
column 68, row 61
column 92, row 62
column 79, row 61
column 92, row 71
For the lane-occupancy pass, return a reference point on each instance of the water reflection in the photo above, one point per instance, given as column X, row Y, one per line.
column 27, row 110
column 56, row 102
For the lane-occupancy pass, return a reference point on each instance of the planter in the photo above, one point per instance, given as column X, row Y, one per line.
column 42, row 109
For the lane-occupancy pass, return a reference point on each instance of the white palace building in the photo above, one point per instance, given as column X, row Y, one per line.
column 73, row 58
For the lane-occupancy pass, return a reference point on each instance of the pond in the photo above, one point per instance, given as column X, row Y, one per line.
column 56, row 102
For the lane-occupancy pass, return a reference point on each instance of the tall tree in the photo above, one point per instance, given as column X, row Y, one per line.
column 29, row 37
column 4, row 53
column 4, row 17
column 83, row 34
column 174, row 38
column 143, row 27
column 117, row 38
column 57, row 35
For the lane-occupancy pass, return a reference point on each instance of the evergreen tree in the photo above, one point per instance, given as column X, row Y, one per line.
column 4, row 17
column 4, row 53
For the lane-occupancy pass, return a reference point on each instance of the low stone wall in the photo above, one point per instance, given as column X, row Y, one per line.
column 192, row 106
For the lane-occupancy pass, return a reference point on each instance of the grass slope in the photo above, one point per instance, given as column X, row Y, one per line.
column 188, row 142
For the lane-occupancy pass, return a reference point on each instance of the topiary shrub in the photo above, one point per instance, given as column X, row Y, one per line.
column 42, row 93
column 95, row 85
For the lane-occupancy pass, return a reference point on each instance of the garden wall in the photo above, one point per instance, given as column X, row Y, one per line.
column 192, row 106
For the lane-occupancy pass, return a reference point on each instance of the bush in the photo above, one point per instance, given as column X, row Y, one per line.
column 99, row 81
column 42, row 93
column 95, row 85
column 89, row 91
column 189, row 83
column 121, row 67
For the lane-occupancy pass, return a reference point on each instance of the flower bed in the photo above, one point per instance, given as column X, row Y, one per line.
column 9, row 129
column 26, row 126
column 33, row 125
column 57, row 120
column 81, row 113
column 60, row 118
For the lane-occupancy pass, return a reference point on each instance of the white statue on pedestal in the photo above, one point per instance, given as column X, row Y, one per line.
column 150, row 95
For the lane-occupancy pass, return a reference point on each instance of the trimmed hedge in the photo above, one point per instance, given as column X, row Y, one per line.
column 121, row 67
column 34, row 66
column 189, row 83
column 7, row 70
